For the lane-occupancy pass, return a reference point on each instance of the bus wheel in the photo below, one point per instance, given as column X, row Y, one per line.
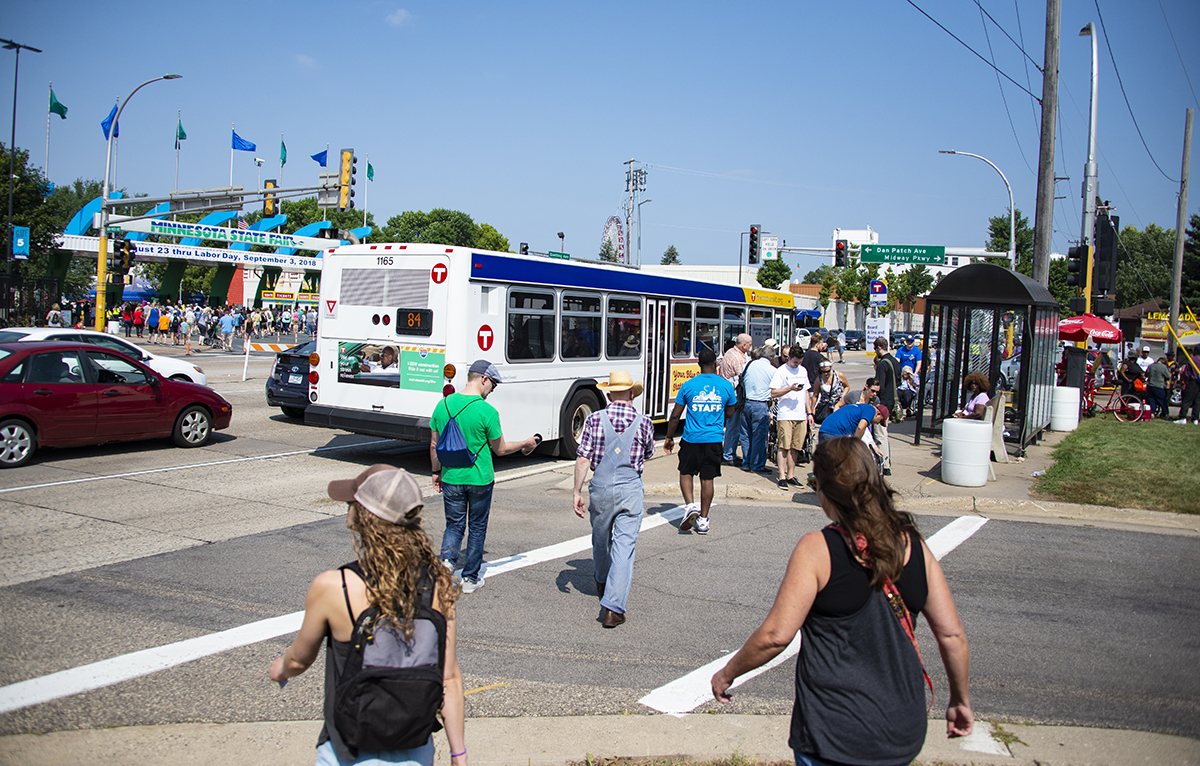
column 582, row 404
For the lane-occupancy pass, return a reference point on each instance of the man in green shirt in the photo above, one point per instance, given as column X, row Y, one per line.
column 467, row 492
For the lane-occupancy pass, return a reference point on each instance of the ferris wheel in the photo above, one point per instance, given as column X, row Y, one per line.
column 615, row 234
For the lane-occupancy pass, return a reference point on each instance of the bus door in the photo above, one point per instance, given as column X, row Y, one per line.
column 782, row 331
column 761, row 327
column 657, row 369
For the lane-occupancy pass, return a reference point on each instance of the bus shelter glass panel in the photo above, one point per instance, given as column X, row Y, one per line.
column 708, row 328
column 681, row 330
column 581, row 326
column 1040, row 361
column 734, row 325
column 624, row 327
column 531, row 322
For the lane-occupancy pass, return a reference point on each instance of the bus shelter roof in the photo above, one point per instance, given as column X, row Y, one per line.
column 986, row 284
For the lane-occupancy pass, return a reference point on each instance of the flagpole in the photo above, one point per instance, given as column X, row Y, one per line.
column 366, row 187
column 232, row 129
column 281, row 145
column 179, row 118
column 46, row 169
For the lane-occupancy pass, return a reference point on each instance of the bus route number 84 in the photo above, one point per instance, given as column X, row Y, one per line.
column 414, row 322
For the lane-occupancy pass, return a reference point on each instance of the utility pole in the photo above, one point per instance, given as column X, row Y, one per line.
column 1043, row 225
column 1090, row 187
column 1181, row 228
column 629, row 183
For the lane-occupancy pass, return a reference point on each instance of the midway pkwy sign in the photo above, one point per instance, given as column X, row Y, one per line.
column 934, row 255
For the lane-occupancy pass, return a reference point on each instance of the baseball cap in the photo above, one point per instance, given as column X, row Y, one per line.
column 388, row 492
column 1145, row 348
column 487, row 369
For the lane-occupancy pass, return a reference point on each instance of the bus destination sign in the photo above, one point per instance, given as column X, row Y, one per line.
column 934, row 255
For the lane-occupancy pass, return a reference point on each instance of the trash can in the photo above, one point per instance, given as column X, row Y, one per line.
column 966, row 452
column 1064, row 409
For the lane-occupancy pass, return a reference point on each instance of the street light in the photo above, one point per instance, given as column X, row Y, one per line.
column 639, row 244
column 9, row 45
column 1012, row 210
column 101, row 266
column 562, row 243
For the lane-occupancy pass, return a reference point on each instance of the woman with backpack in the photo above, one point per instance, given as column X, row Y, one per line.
column 391, row 611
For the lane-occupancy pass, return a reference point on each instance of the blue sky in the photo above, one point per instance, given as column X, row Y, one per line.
column 803, row 117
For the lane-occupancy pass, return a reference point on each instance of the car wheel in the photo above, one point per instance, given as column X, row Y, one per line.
column 17, row 443
column 182, row 378
column 193, row 427
column 295, row 413
column 582, row 404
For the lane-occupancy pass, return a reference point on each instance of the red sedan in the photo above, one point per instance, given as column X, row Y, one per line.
column 57, row 394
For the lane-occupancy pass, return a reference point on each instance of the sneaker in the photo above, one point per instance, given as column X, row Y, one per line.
column 470, row 586
column 448, row 564
column 783, row 484
column 795, row 482
column 691, row 512
column 702, row 526
column 1181, row 422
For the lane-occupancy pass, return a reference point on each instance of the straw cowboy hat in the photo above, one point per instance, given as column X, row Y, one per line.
column 620, row 381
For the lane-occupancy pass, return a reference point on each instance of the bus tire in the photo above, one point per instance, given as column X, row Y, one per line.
column 582, row 404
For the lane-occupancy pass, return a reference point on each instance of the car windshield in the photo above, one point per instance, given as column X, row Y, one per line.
column 303, row 349
column 7, row 336
column 4, row 352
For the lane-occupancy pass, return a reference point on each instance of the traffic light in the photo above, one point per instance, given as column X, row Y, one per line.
column 128, row 251
column 1076, row 263
column 524, row 248
column 346, row 172
column 752, row 255
column 269, row 204
column 841, row 251
column 1104, row 279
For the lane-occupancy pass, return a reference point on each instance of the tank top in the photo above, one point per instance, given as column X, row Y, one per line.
column 860, row 691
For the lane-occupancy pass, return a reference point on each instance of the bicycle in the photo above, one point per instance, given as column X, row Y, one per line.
column 1126, row 407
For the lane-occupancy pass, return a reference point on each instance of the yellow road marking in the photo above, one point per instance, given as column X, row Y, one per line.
column 485, row 688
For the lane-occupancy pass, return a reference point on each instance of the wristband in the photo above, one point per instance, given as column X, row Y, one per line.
column 455, row 755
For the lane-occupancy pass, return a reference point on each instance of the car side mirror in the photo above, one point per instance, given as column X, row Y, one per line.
column 154, row 381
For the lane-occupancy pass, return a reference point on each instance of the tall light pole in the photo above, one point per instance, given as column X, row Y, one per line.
column 562, row 243
column 101, row 266
column 1090, row 187
column 9, row 45
column 1012, row 210
column 643, row 202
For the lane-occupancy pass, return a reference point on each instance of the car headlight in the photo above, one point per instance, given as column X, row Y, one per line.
column 197, row 369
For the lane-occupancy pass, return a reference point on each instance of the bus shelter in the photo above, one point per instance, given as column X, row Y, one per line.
column 987, row 319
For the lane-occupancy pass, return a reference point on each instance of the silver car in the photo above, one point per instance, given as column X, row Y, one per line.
column 175, row 369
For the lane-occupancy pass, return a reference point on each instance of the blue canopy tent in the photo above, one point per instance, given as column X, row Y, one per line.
column 808, row 317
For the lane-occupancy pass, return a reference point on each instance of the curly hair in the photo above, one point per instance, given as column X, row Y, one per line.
column 979, row 380
column 847, row 474
column 392, row 557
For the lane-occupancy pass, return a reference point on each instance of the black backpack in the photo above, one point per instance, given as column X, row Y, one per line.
column 390, row 690
column 452, row 450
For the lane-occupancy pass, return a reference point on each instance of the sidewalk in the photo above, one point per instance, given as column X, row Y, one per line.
column 557, row 741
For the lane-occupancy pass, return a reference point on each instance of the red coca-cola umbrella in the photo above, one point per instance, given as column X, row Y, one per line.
column 1088, row 326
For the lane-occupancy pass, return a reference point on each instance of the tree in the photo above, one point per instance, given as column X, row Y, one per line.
column 443, row 227
column 1145, row 260
column 828, row 282
column 491, row 239
column 774, row 273
column 671, row 256
column 1191, row 264
column 848, row 281
column 817, row 275
column 608, row 253
column 998, row 241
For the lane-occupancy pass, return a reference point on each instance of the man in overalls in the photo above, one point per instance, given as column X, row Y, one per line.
column 616, row 442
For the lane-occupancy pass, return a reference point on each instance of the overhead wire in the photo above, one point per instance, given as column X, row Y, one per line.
column 1000, row 85
column 1177, row 53
column 1108, row 44
column 1021, row 32
column 1020, row 46
column 981, row 58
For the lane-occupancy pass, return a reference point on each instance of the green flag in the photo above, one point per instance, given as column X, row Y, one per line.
column 282, row 153
column 370, row 172
column 180, row 135
column 56, row 107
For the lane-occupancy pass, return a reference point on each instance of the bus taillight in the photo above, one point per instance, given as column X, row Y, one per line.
column 447, row 389
column 449, row 372
column 313, row 377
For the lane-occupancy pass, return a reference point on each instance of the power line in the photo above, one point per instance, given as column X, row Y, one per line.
column 1020, row 46
column 1000, row 85
column 1021, row 32
column 1177, row 53
column 1108, row 45
column 981, row 58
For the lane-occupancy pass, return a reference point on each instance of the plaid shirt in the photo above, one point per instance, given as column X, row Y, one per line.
column 591, row 443
column 732, row 363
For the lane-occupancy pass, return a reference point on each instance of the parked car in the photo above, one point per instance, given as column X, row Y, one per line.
column 59, row 394
column 287, row 388
column 856, row 340
column 169, row 367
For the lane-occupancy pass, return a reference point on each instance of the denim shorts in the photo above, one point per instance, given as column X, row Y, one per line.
column 417, row 756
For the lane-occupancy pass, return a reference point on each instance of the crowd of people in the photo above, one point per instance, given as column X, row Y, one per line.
column 164, row 323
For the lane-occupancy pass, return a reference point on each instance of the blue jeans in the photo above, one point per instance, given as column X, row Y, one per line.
column 1157, row 399
column 467, row 507
column 735, row 433
column 417, row 756
column 756, row 420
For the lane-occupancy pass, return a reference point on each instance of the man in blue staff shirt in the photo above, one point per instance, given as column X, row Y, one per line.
column 909, row 355
column 709, row 400
column 854, row 420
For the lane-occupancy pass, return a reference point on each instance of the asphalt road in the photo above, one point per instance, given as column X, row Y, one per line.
column 1068, row 624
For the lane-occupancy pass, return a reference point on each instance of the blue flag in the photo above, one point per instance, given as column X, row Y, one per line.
column 107, row 124
column 320, row 158
column 241, row 144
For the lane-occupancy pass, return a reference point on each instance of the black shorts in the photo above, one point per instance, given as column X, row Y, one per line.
column 703, row 459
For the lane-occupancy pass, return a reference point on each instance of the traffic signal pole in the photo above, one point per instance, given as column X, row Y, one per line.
column 1180, row 225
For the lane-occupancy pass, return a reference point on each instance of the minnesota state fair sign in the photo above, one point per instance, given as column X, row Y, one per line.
column 232, row 235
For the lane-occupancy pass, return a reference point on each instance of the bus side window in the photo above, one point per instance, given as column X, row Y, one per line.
column 624, row 327
column 708, row 328
column 735, row 325
column 530, row 325
column 681, row 330
column 581, row 326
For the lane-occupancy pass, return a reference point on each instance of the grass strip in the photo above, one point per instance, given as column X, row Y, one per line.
column 1154, row 465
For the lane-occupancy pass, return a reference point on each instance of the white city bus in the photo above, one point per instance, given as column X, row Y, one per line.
column 400, row 324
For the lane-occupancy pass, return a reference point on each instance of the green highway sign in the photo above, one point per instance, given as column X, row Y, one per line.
column 931, row 254
column 559, row 256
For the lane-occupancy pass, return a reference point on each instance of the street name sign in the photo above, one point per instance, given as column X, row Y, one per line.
column 559, row 256
column 931, row 254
